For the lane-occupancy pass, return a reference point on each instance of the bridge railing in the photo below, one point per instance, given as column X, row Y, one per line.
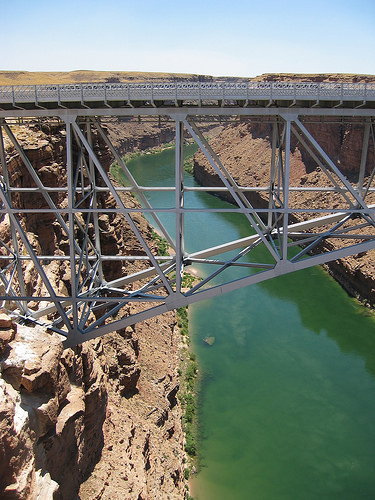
column 216, row 90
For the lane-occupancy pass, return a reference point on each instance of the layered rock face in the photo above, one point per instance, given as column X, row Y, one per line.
column 52, row 406
column 245, row 151
column 101, row 420
column 143, row 454
column 105, row 413
column 341, row 141
column 130, row 134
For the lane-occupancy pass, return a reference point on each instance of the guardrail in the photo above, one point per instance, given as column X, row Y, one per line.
column 163, row 91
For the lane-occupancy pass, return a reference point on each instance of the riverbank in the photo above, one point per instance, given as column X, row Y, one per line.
column 188, row 368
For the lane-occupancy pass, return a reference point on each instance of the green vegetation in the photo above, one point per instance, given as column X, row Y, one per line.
column 182, row 322
column 118, row 173
column 187, row 396
column 188, row 373
column 188, row 280
column 161, row 242
column 189, row 165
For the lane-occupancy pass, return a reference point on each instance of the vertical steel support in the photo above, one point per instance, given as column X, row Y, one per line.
column 179, row 200
column 94, row 204
column 271, row 202
column 280, row 164
column 284, row 252
column 372, row 175
column 71, row 200
column 362, row 168
column 278, row 185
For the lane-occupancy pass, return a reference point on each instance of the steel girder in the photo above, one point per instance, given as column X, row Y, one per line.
column 283, row 235
column 155, row 93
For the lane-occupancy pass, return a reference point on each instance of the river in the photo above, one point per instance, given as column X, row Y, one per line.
column 287, row 391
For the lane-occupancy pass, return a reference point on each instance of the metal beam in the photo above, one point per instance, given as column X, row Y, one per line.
column 179, row 203
column 362, row 168
column 121, row 205
column 193, row 111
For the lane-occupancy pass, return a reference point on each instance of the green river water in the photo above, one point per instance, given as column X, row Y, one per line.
column 287, row 391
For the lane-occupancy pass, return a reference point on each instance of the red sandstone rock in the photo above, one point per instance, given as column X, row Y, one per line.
column 74, row 408
column 40, row 395
column 5, row 337
column 5, row 320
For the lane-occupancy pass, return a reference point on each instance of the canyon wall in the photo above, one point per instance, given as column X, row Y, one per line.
column 53, row 404
column 101, row 420
column 130, row 134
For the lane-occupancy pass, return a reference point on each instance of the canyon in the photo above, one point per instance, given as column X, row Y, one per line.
column 103, row 420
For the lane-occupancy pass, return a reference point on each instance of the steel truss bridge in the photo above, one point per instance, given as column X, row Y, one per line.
column 290, row 235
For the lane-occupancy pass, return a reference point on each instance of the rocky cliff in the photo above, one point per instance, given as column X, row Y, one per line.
column 129, row 135
column 101, row 420
column 53, row 404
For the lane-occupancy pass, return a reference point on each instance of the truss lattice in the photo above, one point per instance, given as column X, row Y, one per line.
column 108, row 289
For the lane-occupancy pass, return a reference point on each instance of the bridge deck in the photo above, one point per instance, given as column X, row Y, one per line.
column 187, row 94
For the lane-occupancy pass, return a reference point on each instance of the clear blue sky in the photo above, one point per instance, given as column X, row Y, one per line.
column 217, row 37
